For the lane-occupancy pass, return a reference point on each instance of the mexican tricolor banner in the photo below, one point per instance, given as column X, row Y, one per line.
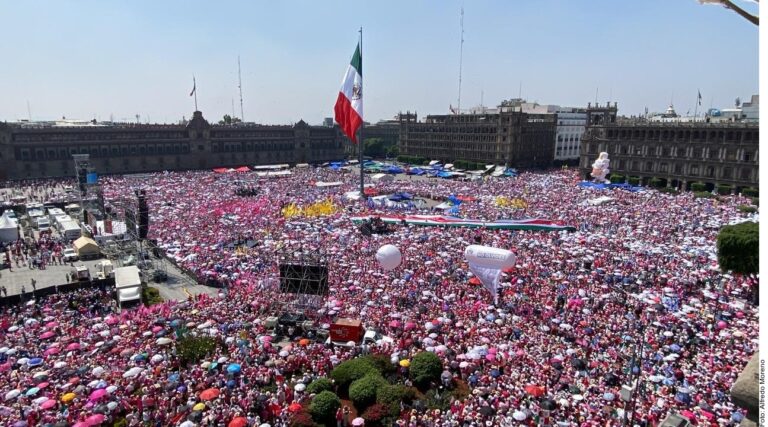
column 349, row 104
column 449, row 221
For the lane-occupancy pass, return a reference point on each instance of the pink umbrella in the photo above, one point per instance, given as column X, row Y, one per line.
column 409, row 326
column 47, row 335
column 97, row 394
column 48, row 404
column 5, row 366
column 73, row 346
column 490, row 357
column 111, row 320
column 81, row 424
column 394, row 324
column 43, row 385
column 94, row 420
column 51, row 325
column 51, row 351
column 157, row 329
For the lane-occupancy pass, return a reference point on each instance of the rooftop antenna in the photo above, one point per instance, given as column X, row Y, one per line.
column 597, row 91
column 240, row 87
column 481, row 97
column 29, row 112
column 233, row 108
column 520, row 90
column 461, row 57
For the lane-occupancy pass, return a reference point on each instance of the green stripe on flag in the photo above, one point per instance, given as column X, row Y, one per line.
column 357, row 60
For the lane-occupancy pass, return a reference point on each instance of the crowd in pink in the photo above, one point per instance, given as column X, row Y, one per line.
column 634, row 294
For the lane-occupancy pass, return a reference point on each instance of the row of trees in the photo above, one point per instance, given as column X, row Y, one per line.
column 378, row 148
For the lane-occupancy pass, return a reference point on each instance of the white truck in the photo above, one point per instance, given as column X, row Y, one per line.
column 128, row 286
column 42, row 223
column 69, row 230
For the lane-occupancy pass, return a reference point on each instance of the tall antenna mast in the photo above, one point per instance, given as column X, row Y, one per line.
column 29, row 112
column 461, row 57
column 240, row 87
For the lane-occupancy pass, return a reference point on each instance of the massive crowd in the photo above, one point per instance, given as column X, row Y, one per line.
column 633, row 294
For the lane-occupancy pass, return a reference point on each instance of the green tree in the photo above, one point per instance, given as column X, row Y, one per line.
column 425, row 368
column 391, row 396
column 324, row 406
column 374, row 147
column 351, row 370
column 362, row 392
column 320, row 385
column 738, row 250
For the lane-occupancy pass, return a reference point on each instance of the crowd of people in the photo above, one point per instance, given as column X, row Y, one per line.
column 634, row 296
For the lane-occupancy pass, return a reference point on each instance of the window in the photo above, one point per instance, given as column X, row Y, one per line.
column 745, row 173
column 694, row 170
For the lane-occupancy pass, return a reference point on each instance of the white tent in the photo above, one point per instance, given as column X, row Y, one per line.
column 600, row 200
column 8, row 230
column 328, row 184
column 382, row 177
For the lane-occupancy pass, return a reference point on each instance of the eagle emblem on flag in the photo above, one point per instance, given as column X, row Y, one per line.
column 357, row 91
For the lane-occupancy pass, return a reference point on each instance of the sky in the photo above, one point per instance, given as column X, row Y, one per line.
column 118, row 59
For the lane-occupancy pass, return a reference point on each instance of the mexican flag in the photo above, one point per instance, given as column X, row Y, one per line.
column 349, row 104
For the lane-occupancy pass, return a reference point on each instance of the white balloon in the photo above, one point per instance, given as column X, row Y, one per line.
column 389, row 257
column 486, row 256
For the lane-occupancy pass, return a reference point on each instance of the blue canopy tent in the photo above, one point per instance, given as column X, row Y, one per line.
column 416, row 171
column 599, row 186
column 399, row 197
column 393, row 169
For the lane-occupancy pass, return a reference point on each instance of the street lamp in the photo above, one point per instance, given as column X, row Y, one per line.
column 728, row 4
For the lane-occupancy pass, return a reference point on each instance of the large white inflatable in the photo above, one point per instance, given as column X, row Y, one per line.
column 487, row 263
column 389, row 257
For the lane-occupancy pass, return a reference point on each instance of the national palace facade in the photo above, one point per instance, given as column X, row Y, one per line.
column 679, row 153
column 35, row 151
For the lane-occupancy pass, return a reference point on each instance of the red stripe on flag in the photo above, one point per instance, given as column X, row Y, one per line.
column 347, row 117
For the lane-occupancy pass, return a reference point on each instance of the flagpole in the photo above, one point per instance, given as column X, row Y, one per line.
column 362, row 124
column 696, row 108
column 194, row 86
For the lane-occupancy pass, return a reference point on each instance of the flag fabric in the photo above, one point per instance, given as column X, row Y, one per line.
column 532, row 224
column 194, row 87
column 699, row 99
column 349, row 104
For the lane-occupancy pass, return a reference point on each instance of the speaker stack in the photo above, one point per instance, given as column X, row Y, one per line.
column 143, row 217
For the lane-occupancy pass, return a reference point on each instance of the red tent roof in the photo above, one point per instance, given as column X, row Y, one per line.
column 220, row 170
column 242, row 169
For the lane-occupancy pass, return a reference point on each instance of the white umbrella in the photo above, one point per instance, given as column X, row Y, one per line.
column 12, row 394
column 163, row 341
column 156, row 358
column 519, row 415
column 300, row 387
column 97, row 371
column 133, row 372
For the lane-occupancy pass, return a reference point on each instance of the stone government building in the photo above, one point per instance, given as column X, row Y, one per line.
column 677, row 152
column 502, row 135
column 36, row 151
